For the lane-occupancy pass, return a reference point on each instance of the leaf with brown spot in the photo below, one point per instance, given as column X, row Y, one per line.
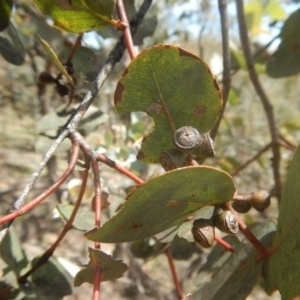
column 78, row 16
column 175, row 88
column 165, row 201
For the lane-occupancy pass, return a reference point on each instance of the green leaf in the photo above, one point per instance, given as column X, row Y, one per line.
column 5, row 11
column 290, row 29
column 275, row 10
column 146, row 29
column 78, row 16
column 84, row 220
column 175, row 88
column 165, row 201
column 51, row 280
column 56, row 60
column 282, row 269
column 85, row 62
column 215, row 260
column 12, row 253
column 235, row 277
column 285, row 60
column 253, row 13
column 11, row 48
column 110, row 269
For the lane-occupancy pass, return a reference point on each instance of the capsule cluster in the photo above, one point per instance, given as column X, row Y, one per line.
column 259, row 200
column 203, row 230
column 187, row 140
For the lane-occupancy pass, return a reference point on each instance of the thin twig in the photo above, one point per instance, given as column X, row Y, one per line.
column 126, row 31
column 119, row 168
column 263, row 252
column 97, row 196
column 74, row 48
column 27, row 207
column 235, row 68
column 97, row 245
column 287, row 146
column 44, row 258
column 39, row 169
column 97, row 280
column 286, row 143
column 254, row 158
column 224, row 244
column 263, row 97
column 174, row 273
column 226, row 64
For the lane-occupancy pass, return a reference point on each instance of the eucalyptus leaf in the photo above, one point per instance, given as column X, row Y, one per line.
column 282, row 269
column 78, row 16
column 85, row 63
column 84, row 219
column 56, row 60
column 52, row 281
column 285, row 60
column 175, row 88
column 165, row 201
column 12, row 253
column 110, row 269
column 11, row 47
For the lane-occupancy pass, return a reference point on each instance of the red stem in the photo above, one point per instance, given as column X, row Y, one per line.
column 97, row 281
column 126, row 31
column 119, row 168
column 27, row 207
column 74, row 48
column 264, row 253
column 97, row 197
column 224, row 244
column 44, row 258
column 287, row 146
column 174, row 273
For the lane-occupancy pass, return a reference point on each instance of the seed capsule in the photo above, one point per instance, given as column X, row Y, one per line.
column 205, row 147
column 172, row 159
column 186, row 138
column 260, row 200
column 241, row 206
column 203, row 232
column 227, row 222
